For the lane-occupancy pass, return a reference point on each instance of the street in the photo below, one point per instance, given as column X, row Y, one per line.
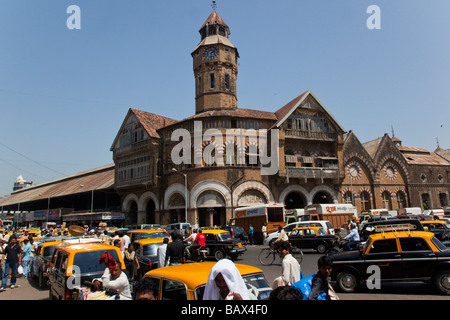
column 29, row 290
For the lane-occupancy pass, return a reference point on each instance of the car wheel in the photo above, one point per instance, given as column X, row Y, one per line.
column 321, row 248
column 219, row 254
column 347, row 281
column 442, row 281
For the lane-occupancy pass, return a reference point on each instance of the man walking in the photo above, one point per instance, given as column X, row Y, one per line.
column 13, row 257
column 250, row 234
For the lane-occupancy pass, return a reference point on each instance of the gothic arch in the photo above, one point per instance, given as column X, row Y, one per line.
column 401, row 166
column 126, row 204
column 255, row 185
column 174, row 188
column 145, row 198
column 212, row 185
column 295, row 188
column 323, row 188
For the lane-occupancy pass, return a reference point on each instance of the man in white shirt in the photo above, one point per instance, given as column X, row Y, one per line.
column 115, row 279
column 290, row 272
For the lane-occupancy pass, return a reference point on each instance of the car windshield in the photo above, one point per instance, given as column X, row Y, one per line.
column 88, row 261
column 225, row 236
column 256, row 285
column 151, row 235
column 151, row 249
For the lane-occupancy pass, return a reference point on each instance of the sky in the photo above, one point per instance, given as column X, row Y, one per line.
column 64, row 92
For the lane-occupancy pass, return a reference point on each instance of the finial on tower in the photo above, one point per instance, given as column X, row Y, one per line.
column 214, row 5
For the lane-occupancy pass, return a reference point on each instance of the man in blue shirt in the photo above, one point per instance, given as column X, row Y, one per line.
column 250, row 234
column 26, row 257
column 353, row 238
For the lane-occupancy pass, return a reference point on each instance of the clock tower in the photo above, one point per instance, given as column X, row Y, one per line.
column 215, row 67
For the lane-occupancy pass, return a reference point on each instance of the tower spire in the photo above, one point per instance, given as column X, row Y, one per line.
column 214, row 5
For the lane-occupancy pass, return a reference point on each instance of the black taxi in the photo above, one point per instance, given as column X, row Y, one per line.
column 400, row 255
column 219, row 244
column 314, row 238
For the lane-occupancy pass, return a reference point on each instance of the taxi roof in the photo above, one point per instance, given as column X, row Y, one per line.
column 214, row 231
column 195, row 274
column 150, row 241
column 399, row 234
column 433, row 221
column 92, row 246
column 146, row 230
column 307, row 227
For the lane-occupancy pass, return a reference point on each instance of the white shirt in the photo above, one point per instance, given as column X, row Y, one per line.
column 121, row 283
column 127, row 240
column 290, row 269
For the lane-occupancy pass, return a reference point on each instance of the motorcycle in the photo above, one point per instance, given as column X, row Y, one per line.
column 340, row 245
column 197, row 254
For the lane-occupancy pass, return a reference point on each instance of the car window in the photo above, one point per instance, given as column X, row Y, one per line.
column 414, row 244
column 288, row 229
column 151, row 249
column 309, row 232
column 225, row 236
column 48, row 251
column 173, row 291
column 88, row 261
column 439, row 244
column 321, row 232
column 384, row 246
column 209, row 236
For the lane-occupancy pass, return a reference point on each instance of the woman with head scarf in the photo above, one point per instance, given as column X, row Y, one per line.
column 225, row 283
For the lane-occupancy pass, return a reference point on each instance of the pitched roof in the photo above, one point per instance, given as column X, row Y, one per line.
column 214, row 18
column 152, row 122
column 95, row 179
column 422, row 156
column 284, row 112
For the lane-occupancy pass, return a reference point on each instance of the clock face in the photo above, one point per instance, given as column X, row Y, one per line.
column 210, row 53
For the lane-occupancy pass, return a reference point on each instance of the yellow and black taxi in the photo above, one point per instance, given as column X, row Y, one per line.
column 438, row 227
column 147, row 254
column 138, row 234
column 187, row 281
column 311, row 238
column 400, row 255
column 72, row 264
column 220, row 244
column 41, row 261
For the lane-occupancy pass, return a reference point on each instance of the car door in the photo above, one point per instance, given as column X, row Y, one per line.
column 385, row 254
column 417, row 257
column 309, row 239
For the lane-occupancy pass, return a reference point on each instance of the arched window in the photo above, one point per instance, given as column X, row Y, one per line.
column 401, row 199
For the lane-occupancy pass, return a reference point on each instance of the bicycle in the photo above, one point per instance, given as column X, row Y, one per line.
column 267, row 255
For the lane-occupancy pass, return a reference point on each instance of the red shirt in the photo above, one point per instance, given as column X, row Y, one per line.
column 200, row 239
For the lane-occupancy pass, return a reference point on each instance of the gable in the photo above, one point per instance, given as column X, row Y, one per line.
column 307, row 106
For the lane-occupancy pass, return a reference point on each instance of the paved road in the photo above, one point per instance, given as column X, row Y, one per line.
column 28, row 289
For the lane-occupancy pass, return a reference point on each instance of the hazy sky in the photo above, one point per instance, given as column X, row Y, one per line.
column 64, row 93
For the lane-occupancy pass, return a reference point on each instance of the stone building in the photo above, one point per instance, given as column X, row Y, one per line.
column 228, row 153
column 384, row 174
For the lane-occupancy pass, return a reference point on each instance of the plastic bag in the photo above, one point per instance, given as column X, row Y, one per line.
column 20, row 270
column 305, row 285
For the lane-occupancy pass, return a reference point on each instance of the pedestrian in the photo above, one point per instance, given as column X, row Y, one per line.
column 127, row 240
column 131, row 262
column 264, row 230
column 161, row 253
column 122, row 242
column 175, row 250
column 225, row 283
column 320, row 284
column 26, row 257
column 2, row 250
column 290, row 272
column 12, row 260
column 250, row 234
column 145, row 289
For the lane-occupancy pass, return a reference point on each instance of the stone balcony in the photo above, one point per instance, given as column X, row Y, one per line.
column 312, row 173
